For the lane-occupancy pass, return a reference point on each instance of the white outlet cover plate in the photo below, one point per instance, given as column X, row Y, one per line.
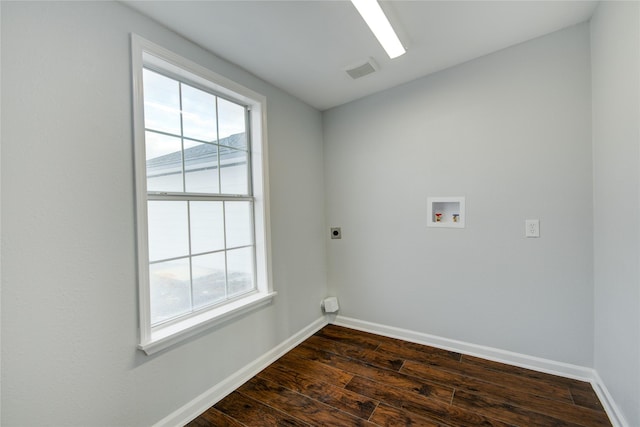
column 532, row 228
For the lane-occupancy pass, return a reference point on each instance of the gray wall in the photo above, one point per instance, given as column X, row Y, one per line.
column 615, row 40
column 511, row 132
column 69, row 306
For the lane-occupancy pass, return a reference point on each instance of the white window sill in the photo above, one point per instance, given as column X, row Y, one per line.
column 165, row 337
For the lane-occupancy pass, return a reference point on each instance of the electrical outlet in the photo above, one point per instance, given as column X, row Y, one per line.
column 532, row 228
column 336, row 233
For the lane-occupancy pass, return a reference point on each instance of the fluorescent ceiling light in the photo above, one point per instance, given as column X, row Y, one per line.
column 375, row 18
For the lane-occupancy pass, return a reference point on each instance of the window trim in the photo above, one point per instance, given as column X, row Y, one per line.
column 152, row 340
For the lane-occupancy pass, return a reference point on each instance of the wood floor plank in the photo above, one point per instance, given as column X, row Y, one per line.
column 344, row 377
column 533, row 386
column 335, row 330
column 251, row 412
column 418, row 352
column 584, row 395
column 371, row 357
column 214, row 418
column 349, row 336
column 507, row 412
column 201, row 422
column 513, row 382
column 309, row 367
column 395, row 342
column 382, row 360
column 340, row 398
column 384, row 376
column 510, row 396
column 422, row 355
column 522, row 372
column 305, row 408
column 385, row 415
column 337, row 347
column 423, row 406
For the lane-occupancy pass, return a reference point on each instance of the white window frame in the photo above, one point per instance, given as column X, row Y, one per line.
column 156, row 338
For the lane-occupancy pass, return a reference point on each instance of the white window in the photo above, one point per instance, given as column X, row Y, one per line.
column 202, row 211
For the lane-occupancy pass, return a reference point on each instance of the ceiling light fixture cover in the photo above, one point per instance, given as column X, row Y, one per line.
column 377, row 21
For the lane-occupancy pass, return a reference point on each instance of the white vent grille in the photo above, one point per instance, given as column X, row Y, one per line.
column 362, row 69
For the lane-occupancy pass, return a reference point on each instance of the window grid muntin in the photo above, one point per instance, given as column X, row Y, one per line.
column 247, row 128
column 225, row 250
column 219, row 168
column 217, row 251
column 224, row 234
column 188, row 197
column 192, row 84
column 184, row 187
column 218, row 171
column 201, row 141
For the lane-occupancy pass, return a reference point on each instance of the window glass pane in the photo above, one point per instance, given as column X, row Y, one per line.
column 164, row 162
column 232, row 124
column 201, row 167
column 239, row 271
column 238, row 140
column 238, row 218
column 207, row 227
column 201, row 245
column 161, row 103
column 168, row 230
column 208, row 279
column 198, row 114
column 233, row 171
column 170, row 288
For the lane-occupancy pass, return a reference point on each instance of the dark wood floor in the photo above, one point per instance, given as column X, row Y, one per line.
column 343, row 377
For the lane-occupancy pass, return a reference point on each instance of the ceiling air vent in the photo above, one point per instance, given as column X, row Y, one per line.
column 362, row 69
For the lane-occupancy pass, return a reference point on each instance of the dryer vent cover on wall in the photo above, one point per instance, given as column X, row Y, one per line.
column 330, row 305
column 362, row 69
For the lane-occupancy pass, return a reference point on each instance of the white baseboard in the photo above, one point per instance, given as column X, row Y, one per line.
column 613, row 411
column 490, row 353
column 516, row 359
column 200, row 404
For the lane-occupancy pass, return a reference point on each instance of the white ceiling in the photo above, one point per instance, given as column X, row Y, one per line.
column 304, row 47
